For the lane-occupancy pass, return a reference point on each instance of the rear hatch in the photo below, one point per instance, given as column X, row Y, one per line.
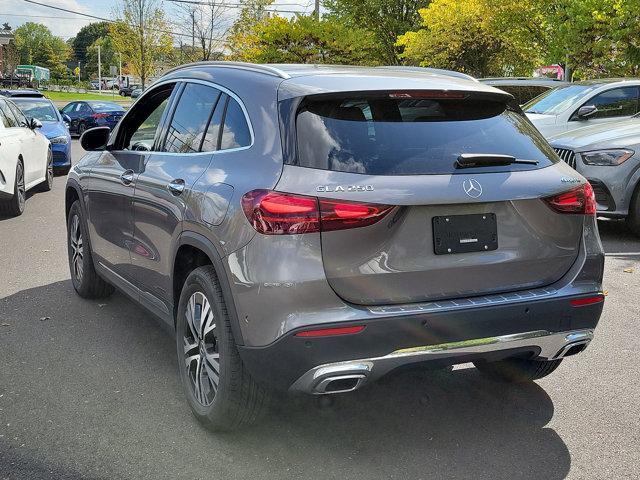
column 431, row 195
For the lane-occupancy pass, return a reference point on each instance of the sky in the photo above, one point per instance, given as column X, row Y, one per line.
column 66, row 25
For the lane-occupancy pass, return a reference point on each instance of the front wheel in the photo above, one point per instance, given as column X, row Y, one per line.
column 47, row 184
column 85, row 280
column 81, row 129
column 219, row 389
column 517, row 370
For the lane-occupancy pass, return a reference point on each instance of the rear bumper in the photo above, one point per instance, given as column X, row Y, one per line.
column 535, row 328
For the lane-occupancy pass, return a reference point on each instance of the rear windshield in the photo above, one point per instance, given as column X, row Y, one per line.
column 412, row 136
column 106, row 107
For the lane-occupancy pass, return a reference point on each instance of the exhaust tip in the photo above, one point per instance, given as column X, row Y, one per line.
column 572, row 349
column 340, row 384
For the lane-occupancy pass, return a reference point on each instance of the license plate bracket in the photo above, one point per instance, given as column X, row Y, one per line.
column 464, row 233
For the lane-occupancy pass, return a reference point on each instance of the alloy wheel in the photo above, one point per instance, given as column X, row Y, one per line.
column 20, row 190
column 77, row 251
column 201, row 355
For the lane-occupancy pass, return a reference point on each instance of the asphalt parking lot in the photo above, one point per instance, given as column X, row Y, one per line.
column 89, row 390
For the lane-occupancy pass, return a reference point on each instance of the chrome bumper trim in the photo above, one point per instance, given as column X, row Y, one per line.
column 551, row 346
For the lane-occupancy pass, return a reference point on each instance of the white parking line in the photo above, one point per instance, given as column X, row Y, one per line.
column 628, row 254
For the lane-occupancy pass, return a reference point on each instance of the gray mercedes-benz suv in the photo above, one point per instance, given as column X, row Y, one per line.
column 310, row 229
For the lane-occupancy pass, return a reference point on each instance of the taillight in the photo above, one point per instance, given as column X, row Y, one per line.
column 276, row 213
column 581, row 302
column 579, row 200
column 331, row 332
column 100, row 115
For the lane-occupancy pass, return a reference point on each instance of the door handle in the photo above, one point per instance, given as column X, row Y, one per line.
column 176, row 187
column 127, row 177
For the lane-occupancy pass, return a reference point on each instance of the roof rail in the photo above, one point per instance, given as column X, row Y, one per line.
column 256, row 67
column 439, row 71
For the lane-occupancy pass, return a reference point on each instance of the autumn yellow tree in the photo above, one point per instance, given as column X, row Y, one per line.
column 142, row 36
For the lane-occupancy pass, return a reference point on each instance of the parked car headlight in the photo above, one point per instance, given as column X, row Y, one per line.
column 61, row 139
column 606, row 157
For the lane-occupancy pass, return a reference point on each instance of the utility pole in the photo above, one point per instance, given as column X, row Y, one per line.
column 78, row 72
column 99, row 71
column 120, row 67
column 316, row 10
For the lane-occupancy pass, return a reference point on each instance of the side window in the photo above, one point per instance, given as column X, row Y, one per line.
column 83, row 108
column 212, row 136
column 140, row 125
column 235, row 132
column 190, row 119
column 22, row 120
column 68, row 108
column 617, row 102
column 3, row 119
column 8, row 117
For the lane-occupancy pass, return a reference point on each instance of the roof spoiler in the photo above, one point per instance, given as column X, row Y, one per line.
column 437, row 71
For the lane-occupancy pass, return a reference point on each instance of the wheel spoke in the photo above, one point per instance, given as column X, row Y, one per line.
column 190, row 314
column 212, row 367
column 198, row 382
column 190, row 348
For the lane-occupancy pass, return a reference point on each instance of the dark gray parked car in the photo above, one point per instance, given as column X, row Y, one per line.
column 311, row 229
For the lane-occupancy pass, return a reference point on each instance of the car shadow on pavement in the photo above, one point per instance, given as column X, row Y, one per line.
column 99, row 388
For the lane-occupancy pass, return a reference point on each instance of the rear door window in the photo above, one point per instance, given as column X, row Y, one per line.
column 8, row 117
column 617, row 102
column 235, row 133
column 190, row 119
column 379, row 135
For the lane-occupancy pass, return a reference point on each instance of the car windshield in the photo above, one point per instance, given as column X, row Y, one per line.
column 559, row 99
column 106, row 107
column 38, row 108
column 388, row 136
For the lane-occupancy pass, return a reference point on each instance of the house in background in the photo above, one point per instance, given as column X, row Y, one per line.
column 7, row 63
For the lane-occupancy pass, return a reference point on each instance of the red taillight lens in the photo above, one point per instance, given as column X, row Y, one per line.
column 276, row 213
column 581, row 302
column 330, row 332
column 338, row 214
column 580, row 200
column 100, row 115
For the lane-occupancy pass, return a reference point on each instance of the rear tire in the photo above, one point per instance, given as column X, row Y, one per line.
column 517, row 370
column 15, row 206
column 220, row 391
column 85, row 280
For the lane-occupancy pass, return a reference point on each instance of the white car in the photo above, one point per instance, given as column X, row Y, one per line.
column 579, row 104
column 25, row 158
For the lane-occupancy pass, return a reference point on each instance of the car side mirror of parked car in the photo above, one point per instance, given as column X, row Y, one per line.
column 95, row 139
column 34, row 123
column 584, row 113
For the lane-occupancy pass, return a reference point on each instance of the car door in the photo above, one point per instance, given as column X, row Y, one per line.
column 163, row 188
column 613, row 105
column 111, row 186
column 68, row 110
column 33, row 148
column 9, row 147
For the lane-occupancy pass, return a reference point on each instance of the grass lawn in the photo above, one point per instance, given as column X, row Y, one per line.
column 72, row 96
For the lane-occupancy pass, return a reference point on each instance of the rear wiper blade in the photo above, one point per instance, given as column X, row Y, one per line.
column 470, row 160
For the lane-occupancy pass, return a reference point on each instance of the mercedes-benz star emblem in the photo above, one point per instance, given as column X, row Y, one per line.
column 472, row 188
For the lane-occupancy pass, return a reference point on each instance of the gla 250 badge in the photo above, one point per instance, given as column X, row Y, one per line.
column 344, row 188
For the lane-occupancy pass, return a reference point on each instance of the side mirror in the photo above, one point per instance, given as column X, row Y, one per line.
column 584, row 113
column 95, row 139
column 34, row 123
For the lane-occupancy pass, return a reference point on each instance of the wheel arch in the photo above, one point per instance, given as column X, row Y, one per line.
column 195, row 243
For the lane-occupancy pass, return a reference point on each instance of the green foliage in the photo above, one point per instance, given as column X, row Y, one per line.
column 142, row 36
column 87, row 37
column 479, row 37
column 302, row 39
column 385, row 19
column 36, row 45
column 108, row 56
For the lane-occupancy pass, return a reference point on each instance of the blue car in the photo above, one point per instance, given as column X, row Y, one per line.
column 54, row 127
column 84, row 115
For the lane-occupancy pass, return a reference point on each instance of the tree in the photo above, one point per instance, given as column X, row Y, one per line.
column 87, row 37
column 207, row 24
column 36, row 45
column 478, row 37
column 108, row 56
column 302, row 39
column 386, row 19
column 142, row 36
